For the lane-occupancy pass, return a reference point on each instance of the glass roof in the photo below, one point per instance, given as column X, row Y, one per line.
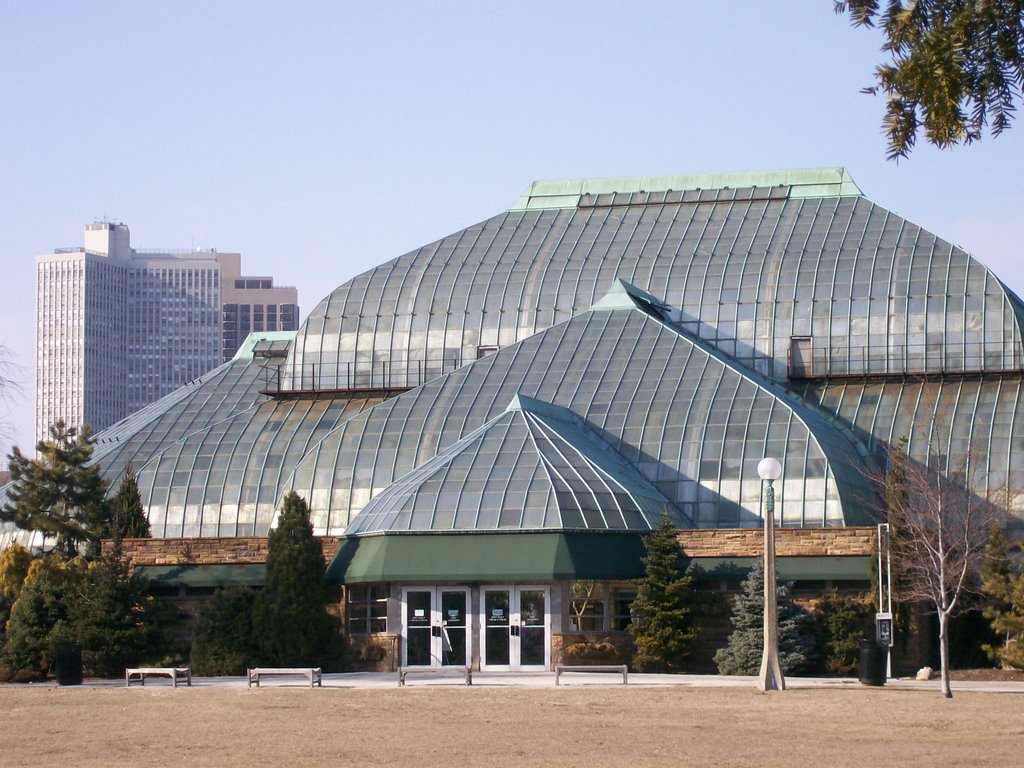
column 693, row 423
column 562, row 477
column 781, row 314
column 749, row 265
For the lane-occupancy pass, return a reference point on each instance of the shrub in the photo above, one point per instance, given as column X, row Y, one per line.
column 841, row 620
column 742, row 655
column 596, row 651
column 665, row 605
column 118, row 622
column 290, row 618
column 223, row 642
column 39, row 618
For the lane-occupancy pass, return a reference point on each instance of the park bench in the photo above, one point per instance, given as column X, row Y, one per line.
column 141, row 673
column 311, row 673
column 466, row 672
column 616, row 668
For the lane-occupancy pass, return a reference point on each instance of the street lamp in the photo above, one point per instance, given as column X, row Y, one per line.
column 770, row 677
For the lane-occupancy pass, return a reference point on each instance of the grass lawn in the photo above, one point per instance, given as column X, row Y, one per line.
column 592, row 726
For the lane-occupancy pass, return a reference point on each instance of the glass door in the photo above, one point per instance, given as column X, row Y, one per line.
column 454, row 627
column 435, row 627
column 533, row 625
column 515, row 628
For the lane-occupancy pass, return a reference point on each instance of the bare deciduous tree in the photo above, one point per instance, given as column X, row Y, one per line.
column 940, row 523
column 9, row 386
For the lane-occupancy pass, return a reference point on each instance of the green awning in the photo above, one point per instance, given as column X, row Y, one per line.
column 487, row 557
column 542, row 556
column 254, row 575
column 847, row 568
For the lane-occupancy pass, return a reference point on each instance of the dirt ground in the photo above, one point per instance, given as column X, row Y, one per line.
column 584, row 726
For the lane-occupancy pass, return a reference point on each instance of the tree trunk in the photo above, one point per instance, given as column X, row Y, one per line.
column 944, row 653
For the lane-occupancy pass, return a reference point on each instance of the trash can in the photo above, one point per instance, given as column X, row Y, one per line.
column 67, row 662
column 872, row 662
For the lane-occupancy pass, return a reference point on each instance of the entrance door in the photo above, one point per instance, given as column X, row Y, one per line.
column 515, row 633
column 435, row 627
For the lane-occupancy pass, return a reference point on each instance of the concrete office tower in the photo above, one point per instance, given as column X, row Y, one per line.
column 252, row 303
column 117, row 328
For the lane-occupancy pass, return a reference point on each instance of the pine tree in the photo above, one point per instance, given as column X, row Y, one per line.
column 1004, row 586
column 40, row 617
column 118, row 622
column 665, row 605
column 223, row 642
column 841, row 621
column 126, row 515
column 14, row 564
column 742, row 655
column 59, row 494
column 290, row 617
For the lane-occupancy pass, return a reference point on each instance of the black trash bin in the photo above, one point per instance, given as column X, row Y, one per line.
column 872, row 662
column 67, row 662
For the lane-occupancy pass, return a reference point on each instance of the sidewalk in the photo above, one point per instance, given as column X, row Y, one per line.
column 569, row 680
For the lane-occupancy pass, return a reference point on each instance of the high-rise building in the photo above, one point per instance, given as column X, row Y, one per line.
column 117, row 328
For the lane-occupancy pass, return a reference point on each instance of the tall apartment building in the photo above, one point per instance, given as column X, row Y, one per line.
column 117, row 328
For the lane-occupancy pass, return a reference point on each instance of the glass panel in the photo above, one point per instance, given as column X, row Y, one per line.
column 532, row 619
column 417, row 629
column 453, row 629
column 496, row 618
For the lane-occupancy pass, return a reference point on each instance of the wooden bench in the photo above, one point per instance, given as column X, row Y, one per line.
column 616, row 668
column 175, row 673
column 311, row 673
column 464, row 671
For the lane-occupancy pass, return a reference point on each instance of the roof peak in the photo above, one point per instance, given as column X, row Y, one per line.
column 798, row 182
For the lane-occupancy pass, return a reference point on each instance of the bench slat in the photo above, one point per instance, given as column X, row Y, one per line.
column 141, row 673
column 467, row 672
column 616, row 668
column 314, row 674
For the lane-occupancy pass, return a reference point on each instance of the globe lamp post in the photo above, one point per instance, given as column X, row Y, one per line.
column 770, row 677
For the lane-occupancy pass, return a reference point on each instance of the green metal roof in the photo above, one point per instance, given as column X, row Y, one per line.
column 846, row 568
column 554, row 474
column 496, row 557
column 251, row 575
column 801, row 182
column 492, row 557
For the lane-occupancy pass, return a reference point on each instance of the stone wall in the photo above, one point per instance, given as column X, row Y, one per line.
column 718, row 542
column 789, row 542
column 250, row 550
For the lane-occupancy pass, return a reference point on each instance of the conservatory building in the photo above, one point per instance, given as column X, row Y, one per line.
column 484, row 428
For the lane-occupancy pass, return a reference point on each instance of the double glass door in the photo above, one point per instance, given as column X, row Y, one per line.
column 514, row 628
column 436, row 630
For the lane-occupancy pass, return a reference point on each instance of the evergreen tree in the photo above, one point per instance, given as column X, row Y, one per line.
column 59, row 494
column 742, row 655
column 126, row 515
column 14, row 565
column 39, row 618
column 841, row 620
column 118, row 622
column 290, row 617
column 223, row 642
column 665, row 605
column 1003, row 584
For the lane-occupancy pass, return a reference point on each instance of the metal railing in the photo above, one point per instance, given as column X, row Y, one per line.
column 903, row 359
column 355, row 376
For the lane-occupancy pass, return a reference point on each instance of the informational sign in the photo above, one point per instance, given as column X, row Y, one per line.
column 883, row 629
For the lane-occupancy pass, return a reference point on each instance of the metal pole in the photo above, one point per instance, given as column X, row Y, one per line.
column 770, row 677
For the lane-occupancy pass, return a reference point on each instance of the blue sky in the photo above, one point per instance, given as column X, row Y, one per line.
column 322, row 138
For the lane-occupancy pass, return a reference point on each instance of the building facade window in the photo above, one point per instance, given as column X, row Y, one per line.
column 366, row 609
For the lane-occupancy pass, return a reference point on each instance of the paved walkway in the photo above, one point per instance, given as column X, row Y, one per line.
column 569, row 679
